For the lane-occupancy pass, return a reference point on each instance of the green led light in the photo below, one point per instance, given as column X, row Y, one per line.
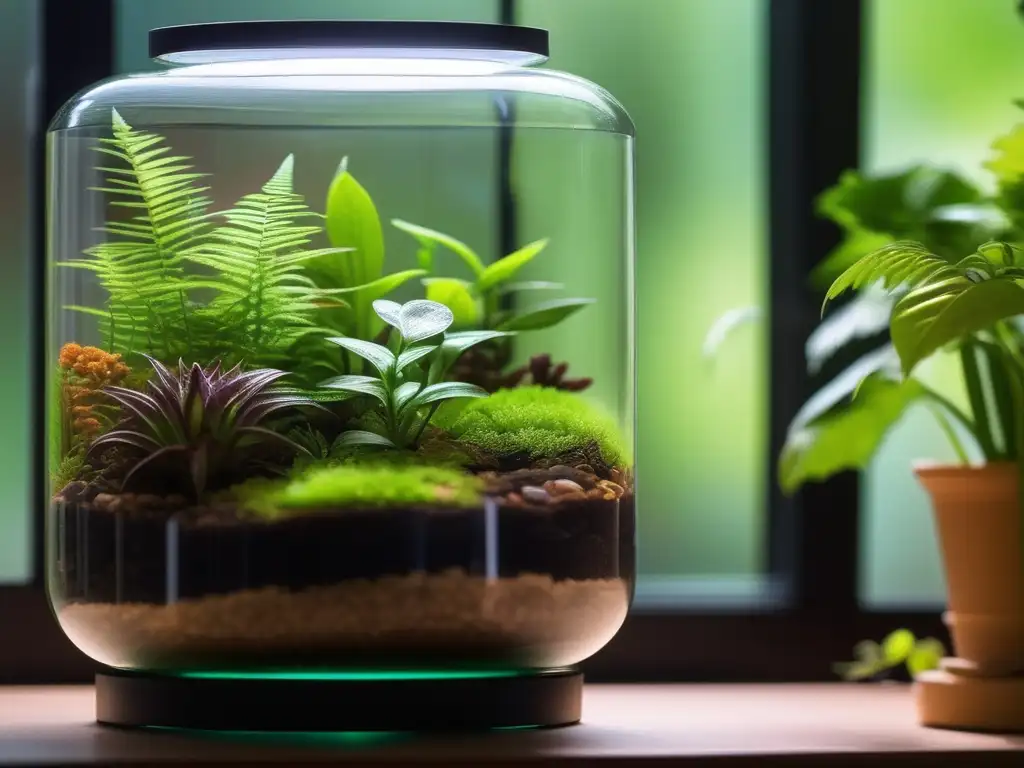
column 337, row 738
column 338, row 675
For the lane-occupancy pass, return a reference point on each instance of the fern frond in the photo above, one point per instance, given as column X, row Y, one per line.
column 901, row 264
column 140, row 265
column 263, row 304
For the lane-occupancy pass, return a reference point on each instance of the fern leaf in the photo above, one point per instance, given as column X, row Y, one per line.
column 262, row 308
column 140, row 264
column 900, row 264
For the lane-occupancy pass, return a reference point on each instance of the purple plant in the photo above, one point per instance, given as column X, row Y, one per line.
column 209, row 426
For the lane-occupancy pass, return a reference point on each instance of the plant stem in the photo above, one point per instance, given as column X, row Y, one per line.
column 976, row 396
column 426, row 420
column 949, row 407
column 950, row 434
column 1000, row 369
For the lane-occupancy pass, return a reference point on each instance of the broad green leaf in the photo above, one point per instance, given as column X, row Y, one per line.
column 405, row 393
column 897, row 646
column 411, row 355
column 868, row 651
column 926, row 655
column 505, row 268
column 856, row 670
column 361, row 437
column 430, row 237
column 532, row 285
column 446, row 390
column 388, row 311
column 380, row 357
column 941, row 312
column 848, row 437
column 351, row 222
column 866, row 314
column 845, row 385
column 454, row 294
column 458, row 342
column 420, row 319
column 544, row 315
column 320, row 395
column 364, row 385
column 726, row 324
column 911, row 205
column 384, row 285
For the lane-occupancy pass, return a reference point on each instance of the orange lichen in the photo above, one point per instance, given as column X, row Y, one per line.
column 87, row 371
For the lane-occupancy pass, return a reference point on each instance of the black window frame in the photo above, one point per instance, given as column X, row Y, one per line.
column 813, row 88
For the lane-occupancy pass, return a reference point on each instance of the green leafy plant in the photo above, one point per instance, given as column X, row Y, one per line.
column 411, row 377
column 536, row 423
column 899, row 652
column 264, row 303
column 968, row 306
column 353, row 225
column 476, row 303
column 141, row 264
column 210, row 428
column 933, row 265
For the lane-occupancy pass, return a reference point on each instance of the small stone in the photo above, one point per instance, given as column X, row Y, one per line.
column 115, row 504
column 596, row 494
column 103, row 500
column 585, row 468
column 562, row 469
column 535, row 495
column 614, row 488
column 562, row 487
column 150, row 501
column 514, row 499
column 617, row 476
column 74, row 491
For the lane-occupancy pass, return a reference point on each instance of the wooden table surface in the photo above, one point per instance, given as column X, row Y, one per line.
column 623, row 725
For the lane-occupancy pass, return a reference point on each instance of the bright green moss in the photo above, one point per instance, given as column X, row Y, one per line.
column 539, row 422
column 361, row 486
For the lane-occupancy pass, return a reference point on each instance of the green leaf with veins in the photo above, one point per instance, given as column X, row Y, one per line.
column 544, row 315
column 505, row 268
column 456, row 295
column 848, row 437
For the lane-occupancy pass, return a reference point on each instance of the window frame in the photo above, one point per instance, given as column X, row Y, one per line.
column 813, row 134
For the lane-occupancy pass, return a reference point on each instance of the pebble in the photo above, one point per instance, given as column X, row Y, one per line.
column 75, row 491
column 514, row 499
column 564, row 488
column 103, row 500
column 617, row 476
column 585, row 468
column 534, row 494
column 562, row 469
column 150, row 501
column 614, row 488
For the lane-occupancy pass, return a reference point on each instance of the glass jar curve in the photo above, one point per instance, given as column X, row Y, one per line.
column 313, row 402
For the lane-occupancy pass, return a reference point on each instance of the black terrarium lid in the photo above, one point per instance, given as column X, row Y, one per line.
column 168, row 42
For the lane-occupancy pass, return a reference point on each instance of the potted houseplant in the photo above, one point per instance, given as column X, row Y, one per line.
column 934, row 266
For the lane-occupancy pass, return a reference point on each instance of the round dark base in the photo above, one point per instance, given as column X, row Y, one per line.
column 331, row 704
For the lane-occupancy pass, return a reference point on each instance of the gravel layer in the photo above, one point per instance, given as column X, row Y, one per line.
column 447, row 618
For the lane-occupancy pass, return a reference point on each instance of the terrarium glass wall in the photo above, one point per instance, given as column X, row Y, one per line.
column 698, row 104
column 922, row 104
column 19, row 58
column 309, row 404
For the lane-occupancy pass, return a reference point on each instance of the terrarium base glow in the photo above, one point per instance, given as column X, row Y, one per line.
column 314, row 418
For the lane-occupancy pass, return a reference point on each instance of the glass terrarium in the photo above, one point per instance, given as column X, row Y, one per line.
column 340, row 355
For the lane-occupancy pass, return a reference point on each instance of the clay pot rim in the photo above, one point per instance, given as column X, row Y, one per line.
column 926, row 469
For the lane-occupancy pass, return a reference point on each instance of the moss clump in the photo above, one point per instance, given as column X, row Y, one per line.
column 362, row 486
column 538, row 422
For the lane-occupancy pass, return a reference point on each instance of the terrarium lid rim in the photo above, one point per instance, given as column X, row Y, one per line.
column 284, row 35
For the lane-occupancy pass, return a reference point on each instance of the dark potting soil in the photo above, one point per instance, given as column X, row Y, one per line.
column 148, row 557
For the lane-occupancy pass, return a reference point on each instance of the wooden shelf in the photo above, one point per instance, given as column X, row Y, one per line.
column 624, row 725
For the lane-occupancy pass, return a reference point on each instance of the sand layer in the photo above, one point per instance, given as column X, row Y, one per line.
column 447, row 619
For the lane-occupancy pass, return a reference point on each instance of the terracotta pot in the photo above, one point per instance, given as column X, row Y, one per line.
column 978, row 515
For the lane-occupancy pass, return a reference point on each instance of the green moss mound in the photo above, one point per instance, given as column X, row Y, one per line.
column 362, row 486
column 539, row 422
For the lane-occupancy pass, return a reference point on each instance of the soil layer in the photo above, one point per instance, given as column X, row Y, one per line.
column 419, row 621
